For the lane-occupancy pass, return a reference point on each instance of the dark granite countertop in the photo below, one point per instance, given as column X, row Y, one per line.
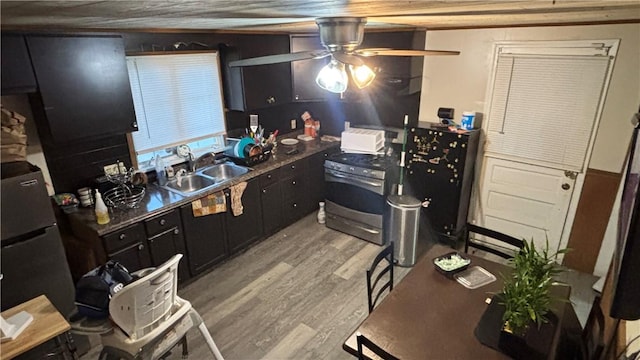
column 158, row 200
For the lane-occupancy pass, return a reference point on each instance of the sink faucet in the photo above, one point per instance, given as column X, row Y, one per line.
column 179, row 175
column 195, row 162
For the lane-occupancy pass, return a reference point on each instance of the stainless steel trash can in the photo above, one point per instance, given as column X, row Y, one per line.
column 401, row 223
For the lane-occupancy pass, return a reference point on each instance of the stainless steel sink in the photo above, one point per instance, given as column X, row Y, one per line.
column 204, row 178
column 190, row 184
column 223, row 172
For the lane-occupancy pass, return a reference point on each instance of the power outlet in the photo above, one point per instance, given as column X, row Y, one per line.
column 293, row 124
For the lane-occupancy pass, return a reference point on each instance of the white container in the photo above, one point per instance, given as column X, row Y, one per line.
column 102, row 213
column 362, row 140
column 468, row 118
column 321, row 214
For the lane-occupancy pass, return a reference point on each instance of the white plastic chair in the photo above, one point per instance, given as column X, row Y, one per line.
column 151, row 318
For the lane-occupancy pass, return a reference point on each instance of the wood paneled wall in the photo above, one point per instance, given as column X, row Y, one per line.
column 592, row 216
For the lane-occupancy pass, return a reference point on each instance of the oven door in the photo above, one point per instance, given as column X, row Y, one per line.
column 355, row 192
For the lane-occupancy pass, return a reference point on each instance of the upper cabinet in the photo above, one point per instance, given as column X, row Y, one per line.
column 305, row 71
column 17, row 73
column 84, row 85
column 255, row 87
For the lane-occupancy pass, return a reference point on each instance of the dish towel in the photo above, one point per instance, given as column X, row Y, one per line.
column 236, row 198
column 210, row 204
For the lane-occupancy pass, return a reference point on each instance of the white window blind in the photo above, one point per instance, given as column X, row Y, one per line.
column 554, row 97
column 177, row 99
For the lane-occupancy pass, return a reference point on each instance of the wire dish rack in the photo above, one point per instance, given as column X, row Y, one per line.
column 124, row 195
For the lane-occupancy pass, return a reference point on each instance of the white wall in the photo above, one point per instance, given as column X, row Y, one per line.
column 461, row 81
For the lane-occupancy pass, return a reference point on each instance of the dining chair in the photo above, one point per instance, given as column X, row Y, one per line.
column 376, row 273
column 593, row 333
column 507, row 249
column 363, row 342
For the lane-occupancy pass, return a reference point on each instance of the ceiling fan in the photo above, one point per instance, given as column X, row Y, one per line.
column 340, row 37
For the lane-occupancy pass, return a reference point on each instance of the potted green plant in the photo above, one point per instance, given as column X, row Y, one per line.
column 526, row 294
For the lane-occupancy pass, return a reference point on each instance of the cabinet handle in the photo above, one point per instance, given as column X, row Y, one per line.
column 293, row 167
column 264, row 191
column 176, row 231
column 134, row 125
column 293, row 182
column 295, row 205
column 140, row 247
column 122, row 236
column 269, row 176
column 162, row 222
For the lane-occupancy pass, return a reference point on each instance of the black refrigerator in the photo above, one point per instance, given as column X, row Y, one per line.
column 33, row 260
column 439, row 172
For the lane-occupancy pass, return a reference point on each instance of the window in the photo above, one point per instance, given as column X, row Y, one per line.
column 177, row 100
column 553, row 91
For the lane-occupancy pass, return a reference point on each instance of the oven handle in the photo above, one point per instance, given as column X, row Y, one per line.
column 351, row 223
column 353, row 178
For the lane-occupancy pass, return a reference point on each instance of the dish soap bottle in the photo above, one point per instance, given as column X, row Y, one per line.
column 102, row 213
column 321, row 214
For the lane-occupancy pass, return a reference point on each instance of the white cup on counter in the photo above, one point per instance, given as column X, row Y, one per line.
column 86, row 199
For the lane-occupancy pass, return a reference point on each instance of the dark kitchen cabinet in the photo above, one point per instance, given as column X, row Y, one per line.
column 304, row 72
column 165, row 239
column 129, row 247
column 316, row 176
column 84, row 85
column 245, row 229
column 204, row 238
column 267, row 85
column 271, row 200
column 17, row 73
column 295, row 191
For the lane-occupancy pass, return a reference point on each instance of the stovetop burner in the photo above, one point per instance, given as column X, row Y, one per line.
column 369, row 161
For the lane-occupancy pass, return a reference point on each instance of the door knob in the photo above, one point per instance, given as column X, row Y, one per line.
column 566, row 186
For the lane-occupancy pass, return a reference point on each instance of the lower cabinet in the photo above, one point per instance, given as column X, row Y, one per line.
column 204, row 238
column 245, row 229
column 164, row 236
column 128, row 247
column 271, row 201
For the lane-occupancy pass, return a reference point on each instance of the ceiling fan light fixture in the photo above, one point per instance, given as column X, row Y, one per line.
column 362, row 75
column 333, row 77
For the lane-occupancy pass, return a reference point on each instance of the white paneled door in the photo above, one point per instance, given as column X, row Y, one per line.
column 525, row 201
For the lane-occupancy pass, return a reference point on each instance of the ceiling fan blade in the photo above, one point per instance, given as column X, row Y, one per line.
column 399, row 52
column 280, row 58
column 348, row 59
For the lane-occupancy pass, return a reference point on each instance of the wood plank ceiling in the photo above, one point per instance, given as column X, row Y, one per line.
column 298, row 15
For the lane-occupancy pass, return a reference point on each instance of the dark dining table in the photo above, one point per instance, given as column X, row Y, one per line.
column 431, row 316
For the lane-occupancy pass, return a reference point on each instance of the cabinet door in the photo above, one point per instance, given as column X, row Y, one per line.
column 17, row 73
column 134, row 257
column 84, row 85
column 247, row 228
column 271, row 199
column 204, row 237
column 315, row 177
column 265, row 85
column 304, row 72
column 166, row 244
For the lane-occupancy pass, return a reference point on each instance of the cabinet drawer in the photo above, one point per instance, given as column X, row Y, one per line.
column 120, row 239
column 294, row 187
column 161, row 223
column 269, row 178
column 293, row 168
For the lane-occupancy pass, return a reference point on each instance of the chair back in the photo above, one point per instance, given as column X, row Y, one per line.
column 593, row 333
column 507, row 244
column 144, row 304
column 365, row 342
column 375, row 283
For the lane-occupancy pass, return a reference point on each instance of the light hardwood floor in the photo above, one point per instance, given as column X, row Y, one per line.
column 296, row 295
